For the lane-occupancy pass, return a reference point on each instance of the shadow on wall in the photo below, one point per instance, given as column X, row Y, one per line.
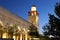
column 6, row 39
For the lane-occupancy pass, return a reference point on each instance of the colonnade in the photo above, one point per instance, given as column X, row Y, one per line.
column 15, row 37
column 13, row 26
column 17, row 34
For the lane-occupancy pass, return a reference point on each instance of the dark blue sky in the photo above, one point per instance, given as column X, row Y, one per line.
column 21, row 8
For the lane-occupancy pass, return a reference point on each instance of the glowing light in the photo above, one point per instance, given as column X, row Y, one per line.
column 35, row 13
column 4, row 35
column 14, row 37
column 18, row 28
column 11, row 25
column 51, row 36
column 28, row 30
column 32, row 14
column 33, row 8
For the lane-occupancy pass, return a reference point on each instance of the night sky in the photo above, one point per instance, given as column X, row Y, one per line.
column 22, row 7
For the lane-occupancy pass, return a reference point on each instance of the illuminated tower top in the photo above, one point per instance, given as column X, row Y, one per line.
column 33, row 8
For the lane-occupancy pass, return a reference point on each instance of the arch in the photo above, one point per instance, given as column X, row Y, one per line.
column 11, row 25
column 17, row 34
column 23, row 29
column 24, row 37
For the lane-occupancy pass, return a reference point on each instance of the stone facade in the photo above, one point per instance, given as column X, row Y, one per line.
column 12, row 26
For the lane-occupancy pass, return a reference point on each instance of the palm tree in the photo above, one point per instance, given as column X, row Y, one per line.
column 10, row 31
column 33, row 32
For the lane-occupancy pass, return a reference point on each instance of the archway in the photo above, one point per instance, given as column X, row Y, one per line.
column 16, row 35
column 24, row 34
column 8, row 32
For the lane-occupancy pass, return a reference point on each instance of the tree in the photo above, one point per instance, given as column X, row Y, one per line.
column 57, row 9
column 53, row 26
column 10, row 31
column 33, row 31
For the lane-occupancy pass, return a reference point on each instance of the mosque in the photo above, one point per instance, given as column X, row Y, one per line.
column 13, row 26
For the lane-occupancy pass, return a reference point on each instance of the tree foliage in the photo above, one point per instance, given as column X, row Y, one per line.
column 53, row 26
column 33, row 31
column 57, row 9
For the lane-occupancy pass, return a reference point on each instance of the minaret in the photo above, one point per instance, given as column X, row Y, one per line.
column 33, row 16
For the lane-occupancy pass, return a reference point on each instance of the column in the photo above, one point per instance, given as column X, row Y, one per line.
column 20, row 36
column 17, row 37
column 14, row 37
column 26, row 37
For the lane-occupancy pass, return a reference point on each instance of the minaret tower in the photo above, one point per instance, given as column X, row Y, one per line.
column 33, row 16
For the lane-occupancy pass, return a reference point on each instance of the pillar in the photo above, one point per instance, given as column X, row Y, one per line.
column 21, row 37
column 18, row 37
column 26, row 37
column 14, row 37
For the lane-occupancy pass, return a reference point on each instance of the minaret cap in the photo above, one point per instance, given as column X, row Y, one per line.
column 33, row 8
